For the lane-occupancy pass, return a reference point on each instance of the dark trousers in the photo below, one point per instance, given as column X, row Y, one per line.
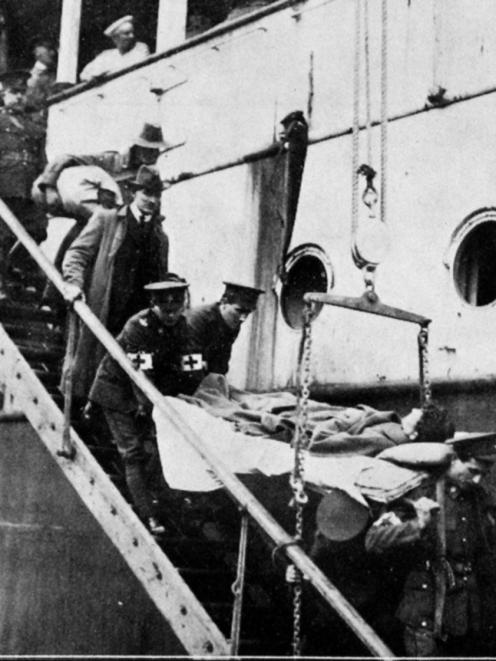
column 420, row 643
column 130, row 436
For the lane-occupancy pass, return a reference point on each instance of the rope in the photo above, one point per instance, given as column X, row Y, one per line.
column 238, row 587
column 370, row 196
column 367, row 83
column 384, row 110
column 356, row 126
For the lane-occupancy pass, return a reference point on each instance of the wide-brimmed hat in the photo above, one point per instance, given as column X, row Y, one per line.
column 148, row 178
column 151, row 137
column 340, row 517
column 479, row 445
column 244, row 295
column 113, row 27
column 14, row 79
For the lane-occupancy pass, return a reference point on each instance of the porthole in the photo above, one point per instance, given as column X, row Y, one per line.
column 474, row 263
column 307, row 269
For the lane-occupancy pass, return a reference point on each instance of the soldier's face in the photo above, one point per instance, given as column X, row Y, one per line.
column 146, row 155
column 147, row 202
column 468, row 473
column 14, row 99
column 169, row 312
column 234, row 314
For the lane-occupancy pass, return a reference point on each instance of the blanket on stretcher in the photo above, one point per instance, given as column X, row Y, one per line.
column 244, row 430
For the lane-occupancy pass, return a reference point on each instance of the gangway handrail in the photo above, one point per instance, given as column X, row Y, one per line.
column 242, row 496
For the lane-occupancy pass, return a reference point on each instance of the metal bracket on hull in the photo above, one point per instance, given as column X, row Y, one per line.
column 178, row 605
column 369, row 302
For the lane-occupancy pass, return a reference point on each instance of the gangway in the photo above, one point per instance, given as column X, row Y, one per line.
column 180, row 608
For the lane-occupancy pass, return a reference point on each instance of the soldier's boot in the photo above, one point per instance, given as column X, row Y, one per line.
column 136, row 483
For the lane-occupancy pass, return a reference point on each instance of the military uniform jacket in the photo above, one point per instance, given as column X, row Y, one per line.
column 470, row 534
column 160, row 352
column 211, row 336
column 21, row 154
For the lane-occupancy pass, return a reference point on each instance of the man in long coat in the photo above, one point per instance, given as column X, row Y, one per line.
column 72, row 185
column 114, row 257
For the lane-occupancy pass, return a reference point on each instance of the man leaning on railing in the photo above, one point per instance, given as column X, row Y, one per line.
column 115, row 256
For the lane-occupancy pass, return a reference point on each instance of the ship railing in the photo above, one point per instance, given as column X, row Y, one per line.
column 245, row 500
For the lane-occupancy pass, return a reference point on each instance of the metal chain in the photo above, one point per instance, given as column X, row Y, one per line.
column 424, row 376
column 300, row 442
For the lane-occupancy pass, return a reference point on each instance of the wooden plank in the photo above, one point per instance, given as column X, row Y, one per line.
column 179, row 606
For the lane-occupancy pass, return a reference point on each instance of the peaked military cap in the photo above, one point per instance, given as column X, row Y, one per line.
column 479, row 445
column 151, row 137
column 172, row 289
column 242, row 294
column 15, row 79
column 113, row 27
column 147, row 178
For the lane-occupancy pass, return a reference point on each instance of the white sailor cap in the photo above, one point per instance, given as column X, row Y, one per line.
column 113, row 27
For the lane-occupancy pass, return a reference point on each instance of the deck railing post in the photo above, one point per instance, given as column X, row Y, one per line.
column 171, row 23
column 70, row 24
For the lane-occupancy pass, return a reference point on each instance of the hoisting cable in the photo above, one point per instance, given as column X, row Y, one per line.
column 238, row 586
column 67, row 450
column 384, row 110
column 300, row 444
column 355, row 142
column 367, row 257
column 368, row 107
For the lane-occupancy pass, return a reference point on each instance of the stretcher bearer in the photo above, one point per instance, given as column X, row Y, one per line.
column 156, row 341
column 215, row 327
column 447, row 538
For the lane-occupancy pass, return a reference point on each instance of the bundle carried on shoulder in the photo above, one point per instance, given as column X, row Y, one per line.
column 418, row 456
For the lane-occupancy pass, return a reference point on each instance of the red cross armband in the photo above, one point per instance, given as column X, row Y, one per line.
column 141, row 360
column 191, row 362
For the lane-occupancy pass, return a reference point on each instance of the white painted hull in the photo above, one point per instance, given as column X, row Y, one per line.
column 224, row 98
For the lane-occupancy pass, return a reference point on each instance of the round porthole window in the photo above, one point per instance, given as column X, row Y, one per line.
column 474, row 264
column 307, row 269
